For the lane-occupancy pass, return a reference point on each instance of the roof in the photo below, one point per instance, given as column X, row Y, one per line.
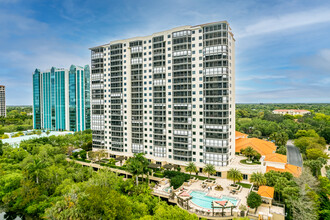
column 162, row 32
column 266, row 191
column 295, row 170
column 290, row 110
column 261, row 146
column 275, row 157
column 240, row 135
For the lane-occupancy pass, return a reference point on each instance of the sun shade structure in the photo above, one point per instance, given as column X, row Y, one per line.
column 168, row 166
column 121, row 158
column 154, row 166
column 185, row 194
column 223, row 205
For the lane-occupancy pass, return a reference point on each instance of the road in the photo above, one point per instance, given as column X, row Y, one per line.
column 293, row 154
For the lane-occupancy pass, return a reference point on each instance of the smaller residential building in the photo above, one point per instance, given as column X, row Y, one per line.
column 291, row 112
column 267, row 194
column 269, row 159
column 2, row 101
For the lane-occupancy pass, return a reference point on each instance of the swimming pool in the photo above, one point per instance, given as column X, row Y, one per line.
column 202, row 200
column 167, row 189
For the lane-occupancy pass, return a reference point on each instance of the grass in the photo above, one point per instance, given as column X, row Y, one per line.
column 202, row 177
column 245, row 185
column 253, row 162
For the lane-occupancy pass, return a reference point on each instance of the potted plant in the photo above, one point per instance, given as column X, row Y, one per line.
column 243, row 209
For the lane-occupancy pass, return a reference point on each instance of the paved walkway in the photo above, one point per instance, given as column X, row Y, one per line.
column 293, row 154
column 323, row 170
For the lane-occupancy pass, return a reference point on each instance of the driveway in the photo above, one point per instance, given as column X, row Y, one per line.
column 293, row 154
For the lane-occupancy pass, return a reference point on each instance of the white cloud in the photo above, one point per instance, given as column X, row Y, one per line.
column 286, row 22
column 260, row 77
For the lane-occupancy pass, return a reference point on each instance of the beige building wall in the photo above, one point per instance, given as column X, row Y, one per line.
column 197, row 136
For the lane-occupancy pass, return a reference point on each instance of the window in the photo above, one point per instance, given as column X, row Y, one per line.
column 245, row 177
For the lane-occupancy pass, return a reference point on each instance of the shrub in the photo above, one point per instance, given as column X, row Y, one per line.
column 159, row 174
column 177, row 178
column 83, row 155
column 177, row 181
column 75, row 155
column 254, row 200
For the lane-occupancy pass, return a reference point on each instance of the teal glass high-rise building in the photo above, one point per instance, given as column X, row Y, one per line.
column 61, row 99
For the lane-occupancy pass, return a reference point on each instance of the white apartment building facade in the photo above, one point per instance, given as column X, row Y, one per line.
column 2, row 101
column 170, row 95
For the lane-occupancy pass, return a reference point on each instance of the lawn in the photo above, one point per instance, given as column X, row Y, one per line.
column 245, row 185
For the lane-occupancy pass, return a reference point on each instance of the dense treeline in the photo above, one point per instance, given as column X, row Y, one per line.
column 36, row 181
column 257, row 120
column 17, row 119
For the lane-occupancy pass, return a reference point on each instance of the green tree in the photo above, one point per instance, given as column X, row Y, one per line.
column 234, row 175
column 1, row 150
column 258, row 179
column 281, row 150
column 325, row 133
column 280, row 138
column 315, row 165
column 209, row 169
column 254, row 200
column 315, row 153
column 191, row 168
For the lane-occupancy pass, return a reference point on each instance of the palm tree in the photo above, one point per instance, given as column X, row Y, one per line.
column 235, row 175
column 35, row 168
column 258, row 179
column 137, row 165
column 191, row 168
column 249, row 152
column 209, row 169
column 280, row 184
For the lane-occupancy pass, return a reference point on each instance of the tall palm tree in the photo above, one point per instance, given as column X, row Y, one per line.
column 234, row 175
column 209, row 169
column 191, row 168
column 258, row 179
column 36, row 168
column 280, row 184
column 249, row 152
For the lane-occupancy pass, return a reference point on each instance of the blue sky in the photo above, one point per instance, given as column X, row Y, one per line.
column 282, row 47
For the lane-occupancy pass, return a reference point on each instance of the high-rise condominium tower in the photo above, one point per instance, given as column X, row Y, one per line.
column 170, row 95
column 61, row 99
column 2, row 101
